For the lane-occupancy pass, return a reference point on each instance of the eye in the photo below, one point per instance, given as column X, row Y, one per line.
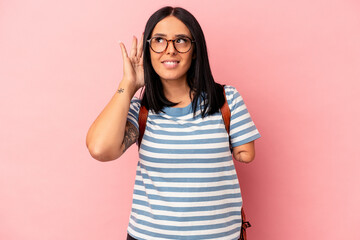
column 182, row 40
column 158, row 39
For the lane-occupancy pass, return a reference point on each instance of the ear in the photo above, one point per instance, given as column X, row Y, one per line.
column 194, row 56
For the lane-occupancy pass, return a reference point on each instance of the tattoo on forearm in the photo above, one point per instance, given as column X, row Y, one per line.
column 121, row 90
column 131, row 134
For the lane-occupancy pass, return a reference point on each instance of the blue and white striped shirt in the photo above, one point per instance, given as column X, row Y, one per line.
column 186, row 185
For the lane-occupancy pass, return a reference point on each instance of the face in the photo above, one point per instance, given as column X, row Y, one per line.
column 171, row 65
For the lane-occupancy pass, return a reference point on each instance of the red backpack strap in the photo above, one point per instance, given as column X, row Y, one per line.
column 226, row 114
column 225, row 111
column 143, row 114
column 245, row 224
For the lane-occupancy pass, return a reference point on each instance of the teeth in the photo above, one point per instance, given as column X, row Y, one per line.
column 170, row 62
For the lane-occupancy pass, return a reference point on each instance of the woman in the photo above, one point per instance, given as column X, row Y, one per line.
column 186, row 185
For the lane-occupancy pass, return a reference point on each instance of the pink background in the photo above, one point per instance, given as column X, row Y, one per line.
column 296, row 63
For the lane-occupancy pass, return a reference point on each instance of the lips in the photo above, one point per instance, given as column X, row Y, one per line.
column 170, row 63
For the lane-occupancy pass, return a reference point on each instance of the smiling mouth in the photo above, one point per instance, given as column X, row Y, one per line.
column 170, row 64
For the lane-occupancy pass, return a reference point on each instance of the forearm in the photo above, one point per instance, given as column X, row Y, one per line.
column 106, row 134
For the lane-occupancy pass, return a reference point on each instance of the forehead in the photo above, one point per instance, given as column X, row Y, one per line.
column 170, row 26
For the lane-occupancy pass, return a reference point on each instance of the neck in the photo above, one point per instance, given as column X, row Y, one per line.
column 177, row 91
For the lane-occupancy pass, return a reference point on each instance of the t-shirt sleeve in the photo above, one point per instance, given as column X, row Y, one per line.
column 242, row 127
column 134, row 109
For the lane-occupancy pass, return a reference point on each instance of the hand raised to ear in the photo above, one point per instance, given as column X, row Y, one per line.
column 133, row 69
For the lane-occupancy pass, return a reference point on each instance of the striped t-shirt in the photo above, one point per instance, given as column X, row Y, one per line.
column 186, row 185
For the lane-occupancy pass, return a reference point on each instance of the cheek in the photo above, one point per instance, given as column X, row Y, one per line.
column 189, row 61
column 154, row 61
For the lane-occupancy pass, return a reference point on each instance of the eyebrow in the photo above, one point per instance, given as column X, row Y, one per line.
column 176, row 35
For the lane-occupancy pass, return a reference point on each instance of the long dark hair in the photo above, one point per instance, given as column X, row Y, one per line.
column 199, row 76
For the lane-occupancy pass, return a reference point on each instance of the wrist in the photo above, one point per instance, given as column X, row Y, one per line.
column 127, row 87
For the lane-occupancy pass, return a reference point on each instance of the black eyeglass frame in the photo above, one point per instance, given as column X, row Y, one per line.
column 167, row 43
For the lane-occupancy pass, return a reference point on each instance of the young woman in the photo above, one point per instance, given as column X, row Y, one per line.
column 186, row 185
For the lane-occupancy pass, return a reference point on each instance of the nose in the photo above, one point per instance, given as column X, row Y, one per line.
column 170, row 48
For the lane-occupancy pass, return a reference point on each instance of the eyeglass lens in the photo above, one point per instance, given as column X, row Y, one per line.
column 159, row 44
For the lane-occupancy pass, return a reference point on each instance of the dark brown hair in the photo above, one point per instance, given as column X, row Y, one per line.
column 199, row 76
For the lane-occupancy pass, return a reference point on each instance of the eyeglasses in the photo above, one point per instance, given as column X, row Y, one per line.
column 160, row 44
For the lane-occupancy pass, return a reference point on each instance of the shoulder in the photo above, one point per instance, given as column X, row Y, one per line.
column 135, row 104
column 230, row 90
column 136, row 101
column 134, row 111
column 232, row 94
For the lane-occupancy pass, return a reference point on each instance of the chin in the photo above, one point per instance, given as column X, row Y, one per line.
column 170, row 78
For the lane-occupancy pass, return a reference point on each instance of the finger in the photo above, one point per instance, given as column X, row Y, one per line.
column 133, row 48
column 123, row 50
column 141, row 46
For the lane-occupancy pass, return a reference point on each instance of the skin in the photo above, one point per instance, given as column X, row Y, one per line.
column 244, row 153
column 111, row 134
column 173, row 80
